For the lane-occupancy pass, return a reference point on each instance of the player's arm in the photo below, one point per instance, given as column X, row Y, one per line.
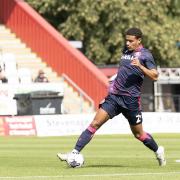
column 151, row 73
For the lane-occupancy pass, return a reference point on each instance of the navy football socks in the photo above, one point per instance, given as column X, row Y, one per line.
column 150, row 143
column 87, row 135
column 84, row 139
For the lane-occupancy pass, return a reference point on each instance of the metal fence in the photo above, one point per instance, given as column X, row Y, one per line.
column 160, row 103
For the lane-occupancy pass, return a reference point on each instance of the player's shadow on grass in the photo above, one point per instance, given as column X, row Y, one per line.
column 105, row 165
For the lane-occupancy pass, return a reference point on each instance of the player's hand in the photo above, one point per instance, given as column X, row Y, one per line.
column 136, row 62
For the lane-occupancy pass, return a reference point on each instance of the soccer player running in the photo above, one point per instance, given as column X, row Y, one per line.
column 124, row 96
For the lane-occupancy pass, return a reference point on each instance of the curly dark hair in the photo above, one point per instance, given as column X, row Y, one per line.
column 134, row 32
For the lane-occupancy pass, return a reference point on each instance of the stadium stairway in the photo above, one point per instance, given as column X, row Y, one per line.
column 73, row 103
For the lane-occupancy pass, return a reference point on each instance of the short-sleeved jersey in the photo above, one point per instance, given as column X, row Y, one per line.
column 129, row 78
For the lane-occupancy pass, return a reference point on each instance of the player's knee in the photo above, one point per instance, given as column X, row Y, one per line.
column 141, row 137
column 92, row 129
column 95, row 125
column 137, row 135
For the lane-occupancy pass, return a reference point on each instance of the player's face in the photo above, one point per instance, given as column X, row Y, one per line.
column 132, row 42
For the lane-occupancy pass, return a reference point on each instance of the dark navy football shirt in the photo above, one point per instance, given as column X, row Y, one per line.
column 129, row 78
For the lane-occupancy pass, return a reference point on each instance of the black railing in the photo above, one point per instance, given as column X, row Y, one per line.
column 160, row 103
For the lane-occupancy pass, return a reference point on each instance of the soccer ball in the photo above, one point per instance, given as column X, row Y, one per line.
column 75, row 160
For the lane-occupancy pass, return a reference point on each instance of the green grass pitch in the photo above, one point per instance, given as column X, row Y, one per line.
column 107, row 157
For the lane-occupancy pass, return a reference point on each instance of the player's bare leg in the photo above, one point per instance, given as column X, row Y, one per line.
column 100, row 118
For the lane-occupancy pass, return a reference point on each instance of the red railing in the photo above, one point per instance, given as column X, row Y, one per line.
column 53, row 48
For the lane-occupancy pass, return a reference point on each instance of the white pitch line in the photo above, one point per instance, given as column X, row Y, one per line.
column 90, row 175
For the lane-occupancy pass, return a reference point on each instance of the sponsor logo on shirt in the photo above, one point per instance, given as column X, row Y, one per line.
column 127, row 57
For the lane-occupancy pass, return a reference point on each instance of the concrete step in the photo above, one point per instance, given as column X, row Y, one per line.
column 16, row 50
column 25, row 58
column 4, row 36
column 11, row 41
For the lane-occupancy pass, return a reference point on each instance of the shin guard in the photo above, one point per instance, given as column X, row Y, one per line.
column 84, row 138
column 148, row 141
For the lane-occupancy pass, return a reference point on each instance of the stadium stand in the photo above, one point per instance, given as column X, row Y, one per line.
column 169, row 75
column 166, row 90
column 21, row 66
column 53, row 52
column 24, row 75
column 53, row 48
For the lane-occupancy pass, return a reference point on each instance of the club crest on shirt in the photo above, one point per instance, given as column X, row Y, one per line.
column 137, row 54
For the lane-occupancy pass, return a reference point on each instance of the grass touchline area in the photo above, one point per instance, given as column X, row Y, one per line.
column 106, row 157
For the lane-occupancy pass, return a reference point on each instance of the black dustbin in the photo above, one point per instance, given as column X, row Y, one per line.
column 38, row 103
column 23, row 103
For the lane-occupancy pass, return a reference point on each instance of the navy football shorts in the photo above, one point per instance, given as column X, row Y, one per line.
column 127, row 105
